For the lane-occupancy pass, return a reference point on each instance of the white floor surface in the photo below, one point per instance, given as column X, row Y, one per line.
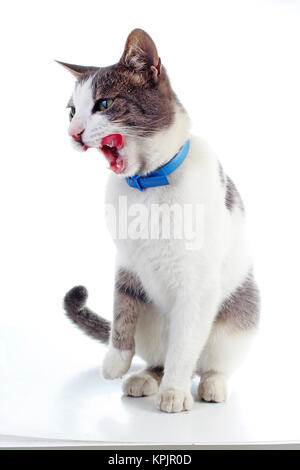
column 51, row 389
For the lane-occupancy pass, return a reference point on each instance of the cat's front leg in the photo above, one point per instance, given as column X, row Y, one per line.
column 129, row 300
column 190, row 322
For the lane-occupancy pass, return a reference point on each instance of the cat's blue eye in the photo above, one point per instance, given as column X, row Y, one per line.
column 102, row 105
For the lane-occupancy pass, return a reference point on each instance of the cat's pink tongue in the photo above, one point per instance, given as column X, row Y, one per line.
column 110, row 146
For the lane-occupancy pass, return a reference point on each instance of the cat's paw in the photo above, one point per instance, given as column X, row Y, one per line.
column 116, row 363
column 213, row 388
column 174, row 400
column 140, row 385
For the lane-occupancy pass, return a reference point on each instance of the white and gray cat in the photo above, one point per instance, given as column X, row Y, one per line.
column 184, row 311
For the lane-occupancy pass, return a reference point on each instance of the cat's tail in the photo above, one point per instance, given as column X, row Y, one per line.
column 92, row 324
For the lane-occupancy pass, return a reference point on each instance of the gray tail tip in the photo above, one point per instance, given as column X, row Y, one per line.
column 76, row 298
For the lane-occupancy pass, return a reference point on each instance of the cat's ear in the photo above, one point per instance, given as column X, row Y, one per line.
column 140, row 53
column 77, row 70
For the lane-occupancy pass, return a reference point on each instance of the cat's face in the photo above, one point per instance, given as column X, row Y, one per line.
column 126, row 110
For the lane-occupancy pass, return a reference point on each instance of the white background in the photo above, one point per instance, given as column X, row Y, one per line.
column 235, row 67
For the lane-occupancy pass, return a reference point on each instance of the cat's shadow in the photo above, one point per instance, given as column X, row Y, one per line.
column 88, row 407
column 89, row 386
column 89, row 383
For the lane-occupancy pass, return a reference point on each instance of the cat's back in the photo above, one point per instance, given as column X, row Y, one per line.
column 224, row 221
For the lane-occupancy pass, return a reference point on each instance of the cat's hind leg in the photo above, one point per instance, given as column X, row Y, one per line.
column 224, row 352
column 213, row 387
column 229, row 341
column 144, row 383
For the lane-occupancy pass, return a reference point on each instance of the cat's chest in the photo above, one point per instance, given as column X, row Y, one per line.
column 143, row 243
column 136, row 220
column 143, row 234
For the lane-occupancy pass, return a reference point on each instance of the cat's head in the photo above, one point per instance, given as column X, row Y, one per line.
column 128, row 110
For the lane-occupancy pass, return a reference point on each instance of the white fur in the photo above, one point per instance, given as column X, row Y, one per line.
column 174, row 400
column 116, row 363
column 140, row 385
column 186, row 287
column 213, row 387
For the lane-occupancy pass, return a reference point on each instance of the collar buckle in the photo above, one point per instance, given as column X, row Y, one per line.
column 137, row 183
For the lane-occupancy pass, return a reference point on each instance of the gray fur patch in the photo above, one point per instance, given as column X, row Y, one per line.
column 241, row 310
column 232, row 196
column 156, row 372
column 88, row 321
column 139, row 105
column 129, row 284
column 221, row 173
column 129, row 300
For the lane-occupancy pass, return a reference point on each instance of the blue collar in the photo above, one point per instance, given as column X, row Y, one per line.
column 159, row 177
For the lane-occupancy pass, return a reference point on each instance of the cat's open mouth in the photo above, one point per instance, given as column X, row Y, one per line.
column 110, row 146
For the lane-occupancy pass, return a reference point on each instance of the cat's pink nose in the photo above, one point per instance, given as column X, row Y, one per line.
column 77, row 136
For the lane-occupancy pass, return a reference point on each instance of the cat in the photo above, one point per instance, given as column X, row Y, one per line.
column 184, row 311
